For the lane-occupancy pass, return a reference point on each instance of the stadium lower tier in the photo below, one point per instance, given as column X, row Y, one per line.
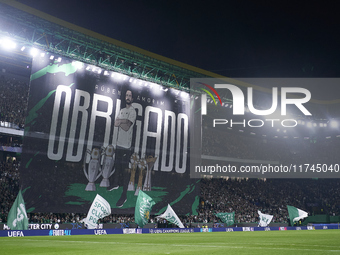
column 69, row 232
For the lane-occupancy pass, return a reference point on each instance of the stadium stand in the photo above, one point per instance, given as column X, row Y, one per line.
column 242, row 195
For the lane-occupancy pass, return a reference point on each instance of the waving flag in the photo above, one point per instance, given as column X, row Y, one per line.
column 17, row 216
column 143, row 208
column 172, row 217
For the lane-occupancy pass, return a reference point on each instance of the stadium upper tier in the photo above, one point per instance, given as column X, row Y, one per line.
column 30, row 28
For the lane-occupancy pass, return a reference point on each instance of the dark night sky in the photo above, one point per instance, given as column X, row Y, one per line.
column 232, row 38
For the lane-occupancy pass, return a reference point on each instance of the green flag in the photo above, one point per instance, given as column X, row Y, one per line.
column 143, row 208
column 295, row 214
column 227, row 218
column 17, row 216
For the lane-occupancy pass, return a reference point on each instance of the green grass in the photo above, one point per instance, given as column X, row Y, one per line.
column 262, row 242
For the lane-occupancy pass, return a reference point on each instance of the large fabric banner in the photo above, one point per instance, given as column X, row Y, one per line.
column 90, row 131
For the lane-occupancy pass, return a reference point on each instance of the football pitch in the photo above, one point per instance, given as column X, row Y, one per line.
column 261, row 242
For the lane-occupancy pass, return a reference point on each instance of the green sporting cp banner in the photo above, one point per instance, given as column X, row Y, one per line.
column 227, row 218
column 143, row 208
column 17, row 216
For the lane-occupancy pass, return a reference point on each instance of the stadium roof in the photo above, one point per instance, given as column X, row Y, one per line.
column 33, row 28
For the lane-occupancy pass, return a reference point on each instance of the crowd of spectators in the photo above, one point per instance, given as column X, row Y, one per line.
column 242, row 196
column 229, row 143
column 246, row 196
column 9, row 186
column 13, row 103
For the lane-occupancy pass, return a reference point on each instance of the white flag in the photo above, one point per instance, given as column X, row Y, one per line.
column 171, row 216
column 265, row 219
column 100, row 208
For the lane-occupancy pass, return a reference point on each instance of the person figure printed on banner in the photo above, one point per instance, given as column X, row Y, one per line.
column 125, row 122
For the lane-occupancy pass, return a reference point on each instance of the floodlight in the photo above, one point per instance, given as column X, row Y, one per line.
column 333, row 124
column 8, row 44
column 33, row 52
column 184, row 94
column 77, row 64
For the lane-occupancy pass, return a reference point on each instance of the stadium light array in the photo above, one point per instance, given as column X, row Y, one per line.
column 77, row 64
column 8, row 44
column 33, row 52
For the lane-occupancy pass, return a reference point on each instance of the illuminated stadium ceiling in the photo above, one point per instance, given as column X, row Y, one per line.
column 31, row 28
column 34, row 29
